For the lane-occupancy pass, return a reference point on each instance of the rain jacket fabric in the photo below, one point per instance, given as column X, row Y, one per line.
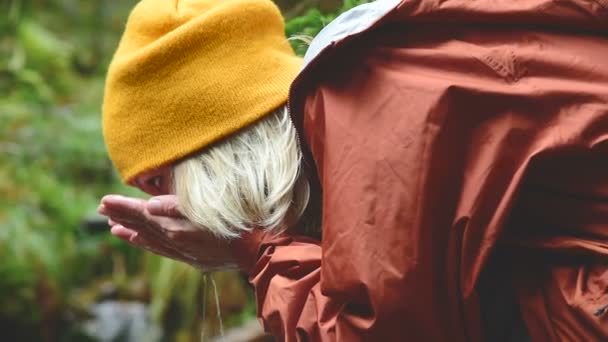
column 462, row 149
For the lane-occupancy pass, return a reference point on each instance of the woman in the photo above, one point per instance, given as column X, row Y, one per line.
column 451, row 140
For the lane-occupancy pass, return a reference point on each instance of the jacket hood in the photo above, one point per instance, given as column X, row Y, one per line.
column 585, row 16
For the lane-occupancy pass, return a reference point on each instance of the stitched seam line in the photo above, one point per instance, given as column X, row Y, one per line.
column 602, row 3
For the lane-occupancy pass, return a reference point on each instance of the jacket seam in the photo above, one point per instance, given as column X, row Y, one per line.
column 602, row 3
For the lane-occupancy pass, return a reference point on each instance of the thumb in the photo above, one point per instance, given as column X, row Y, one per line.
column 166, row 205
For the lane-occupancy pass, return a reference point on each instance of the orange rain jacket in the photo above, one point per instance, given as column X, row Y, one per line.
column 462, row 149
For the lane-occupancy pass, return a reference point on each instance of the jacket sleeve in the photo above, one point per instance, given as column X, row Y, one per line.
column 359, row 302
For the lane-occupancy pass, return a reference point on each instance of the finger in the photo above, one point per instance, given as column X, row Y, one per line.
column 127, row 208
column 155, row 246
column 123, row 233
column 169, row 231
column 118, row 201
column 166, row 205
column 167, row 234
column 134, row 238
column 139, row 226
column 151, row 245
column 101, row 209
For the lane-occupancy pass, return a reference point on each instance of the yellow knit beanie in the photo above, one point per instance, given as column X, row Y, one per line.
column 188, row 73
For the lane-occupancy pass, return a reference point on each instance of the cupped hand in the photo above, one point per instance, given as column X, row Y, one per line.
column 157, row 226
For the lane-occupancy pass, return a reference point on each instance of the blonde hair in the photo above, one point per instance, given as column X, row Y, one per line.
column 251, row 180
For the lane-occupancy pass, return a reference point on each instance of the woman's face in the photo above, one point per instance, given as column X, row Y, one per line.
column 155, row 182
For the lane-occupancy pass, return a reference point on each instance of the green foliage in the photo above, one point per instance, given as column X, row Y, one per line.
column 311, row 23
column 54, row 169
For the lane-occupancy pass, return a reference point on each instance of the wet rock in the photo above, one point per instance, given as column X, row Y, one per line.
column 115, row 321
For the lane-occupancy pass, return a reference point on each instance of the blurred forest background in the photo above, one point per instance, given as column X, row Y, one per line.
column 62, row 276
